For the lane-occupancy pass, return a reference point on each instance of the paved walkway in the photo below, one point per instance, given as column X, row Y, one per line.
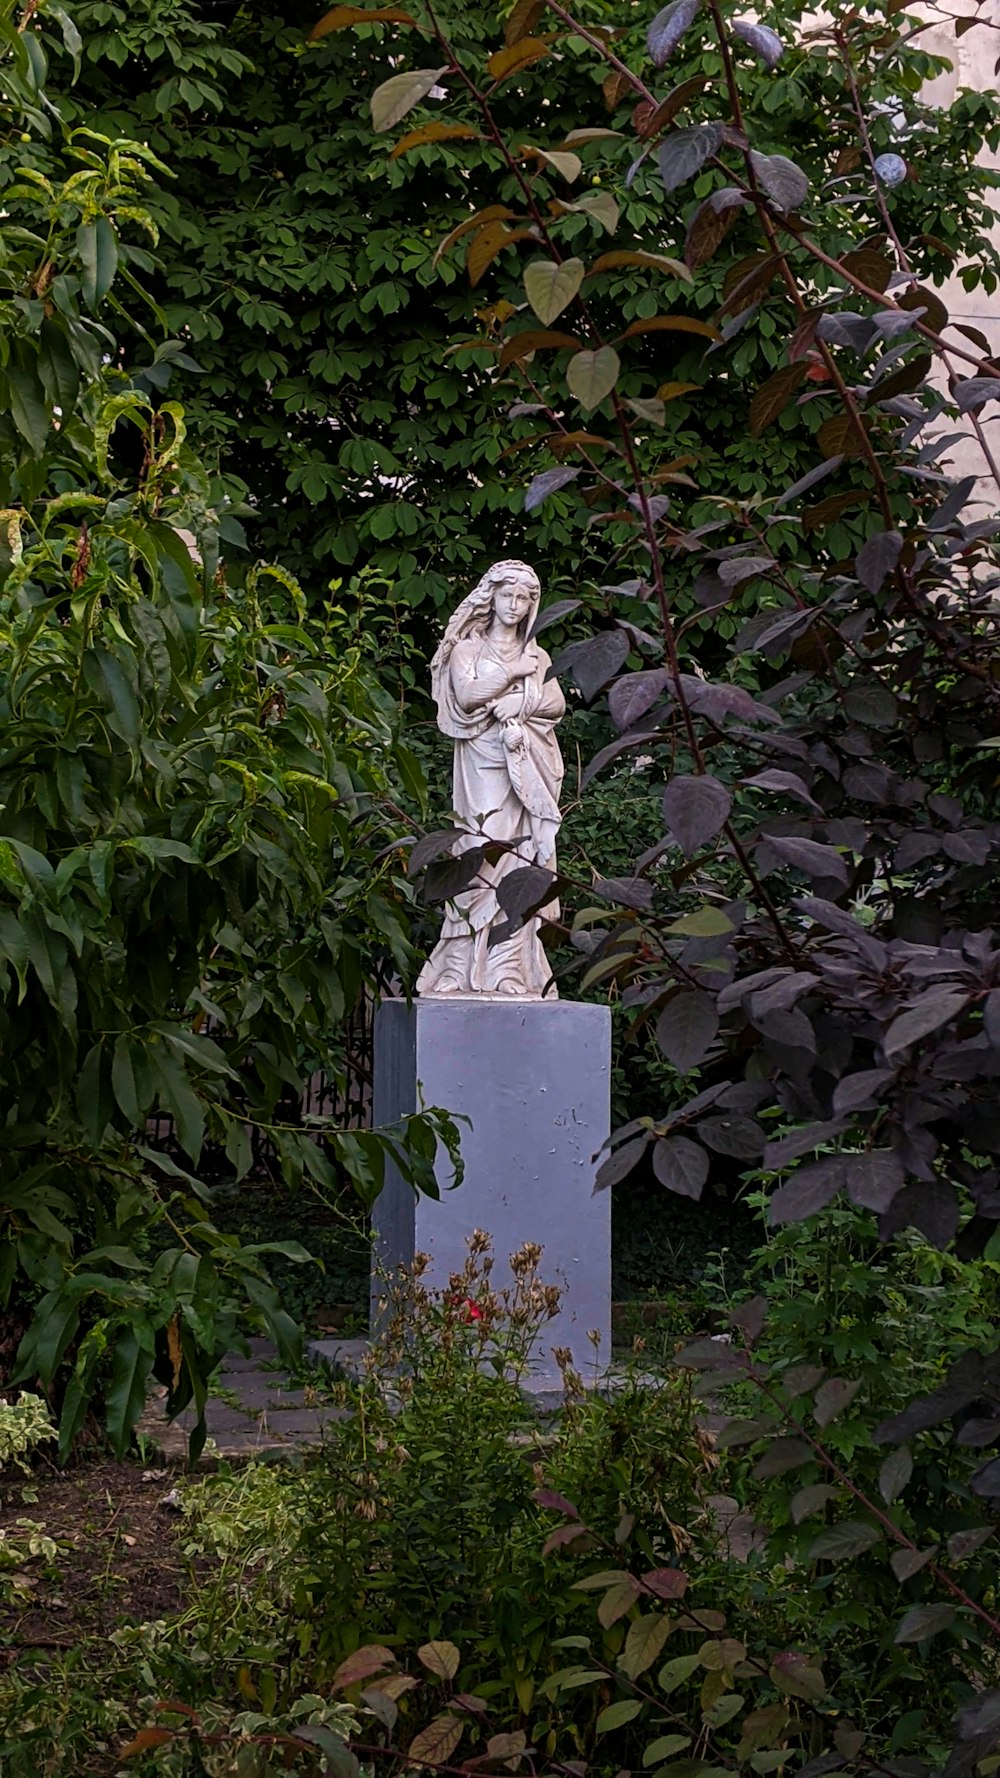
column 252, row 1408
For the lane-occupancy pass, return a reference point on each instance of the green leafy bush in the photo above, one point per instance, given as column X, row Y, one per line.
column 24, row 1425
column 603, row 1587
column 196, row 861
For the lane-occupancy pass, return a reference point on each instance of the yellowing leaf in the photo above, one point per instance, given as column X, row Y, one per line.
column 174, row 1349
column 550, row 288
column 569, row 165
column 535, row 339
column 144, row 1740
column 437, row 1742
column 393, row 1685
column 488, row 243
column 343, row 16
column 493, row 212
column 516, row 56
column 644, row 1642
column 364, row 1663
column 672, row 324
column 598, row 204
column 671, row 391
column 662, row 262
column 522, row 20
column 434, row 132
column 440, row 1658
column 391, row 101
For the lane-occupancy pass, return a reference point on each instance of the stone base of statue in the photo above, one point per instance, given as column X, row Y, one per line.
column 533, row 1079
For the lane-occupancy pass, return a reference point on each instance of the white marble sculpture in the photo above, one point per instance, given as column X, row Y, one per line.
column 495, row 703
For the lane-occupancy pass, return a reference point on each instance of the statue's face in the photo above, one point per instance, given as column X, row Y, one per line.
column 512, row 600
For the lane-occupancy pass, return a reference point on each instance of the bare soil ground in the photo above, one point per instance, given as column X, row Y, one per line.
column 118, row 1557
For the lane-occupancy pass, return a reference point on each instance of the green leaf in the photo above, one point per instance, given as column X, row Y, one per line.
column 644, row 1643
column 592, row 375
column 665, row 1748
column 708, row 922
column 391, row 101
column 838, row 1542
column 675, row 1672
column 72, row 41
column 123, row 1079
column 27, row 406
column 615, row 1716
column 924, row 1621
column 97, row 246
column 895, row 1473
column 550, row 288
column 107, row 678
column 131, row 1363
column 54, row 1324
column 178, row 1097
column 14, row 948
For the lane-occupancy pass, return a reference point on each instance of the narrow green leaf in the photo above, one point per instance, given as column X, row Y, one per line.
column 97, row 246
column 131, row 1363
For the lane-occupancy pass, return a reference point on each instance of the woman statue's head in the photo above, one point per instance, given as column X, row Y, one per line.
column 515, row 590
column 475, row 614
column 508, row 581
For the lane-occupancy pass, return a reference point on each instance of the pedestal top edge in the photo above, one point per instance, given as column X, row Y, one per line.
column 491, row 1003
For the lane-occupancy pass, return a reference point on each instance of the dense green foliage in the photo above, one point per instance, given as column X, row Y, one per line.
column 298, row 264
column 196, row 798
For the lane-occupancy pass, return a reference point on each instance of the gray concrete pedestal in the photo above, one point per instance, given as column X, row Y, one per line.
column 533, row 1078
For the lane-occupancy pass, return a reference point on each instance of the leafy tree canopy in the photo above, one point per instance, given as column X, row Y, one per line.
column 345, row 373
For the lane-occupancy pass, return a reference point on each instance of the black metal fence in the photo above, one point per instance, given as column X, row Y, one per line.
column 344, row 1096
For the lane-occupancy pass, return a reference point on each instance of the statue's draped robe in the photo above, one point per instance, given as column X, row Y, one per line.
column 507, row 778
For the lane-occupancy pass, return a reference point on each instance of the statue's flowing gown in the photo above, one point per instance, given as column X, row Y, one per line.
column 507, row 778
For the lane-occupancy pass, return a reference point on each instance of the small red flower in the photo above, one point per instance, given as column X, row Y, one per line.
column 467, row 1307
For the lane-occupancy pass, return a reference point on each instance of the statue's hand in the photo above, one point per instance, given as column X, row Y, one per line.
column 507, row 707
column 524, row 667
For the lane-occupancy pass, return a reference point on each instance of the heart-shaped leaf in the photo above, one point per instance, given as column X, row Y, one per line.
column 686, row 1028
column 684, row 153
column 784, row 182
column 761, row 39
column 681, row 1165
column 694, row 809
column 592, row 375
column 548, row 482
column 550, row 288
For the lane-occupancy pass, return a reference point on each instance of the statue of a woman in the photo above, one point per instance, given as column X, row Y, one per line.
column 494, row 701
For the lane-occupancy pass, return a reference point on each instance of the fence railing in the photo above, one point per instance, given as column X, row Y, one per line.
column 345, row 1097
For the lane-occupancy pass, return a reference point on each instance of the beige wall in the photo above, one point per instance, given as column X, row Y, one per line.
column 972, row 57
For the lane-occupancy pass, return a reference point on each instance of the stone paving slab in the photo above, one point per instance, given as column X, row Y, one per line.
column 253, row 1410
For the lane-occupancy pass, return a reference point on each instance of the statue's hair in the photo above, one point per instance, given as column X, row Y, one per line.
column 472, row 615
column 471, row 618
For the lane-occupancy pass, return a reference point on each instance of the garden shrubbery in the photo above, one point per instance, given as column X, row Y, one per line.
column 641, row 1581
